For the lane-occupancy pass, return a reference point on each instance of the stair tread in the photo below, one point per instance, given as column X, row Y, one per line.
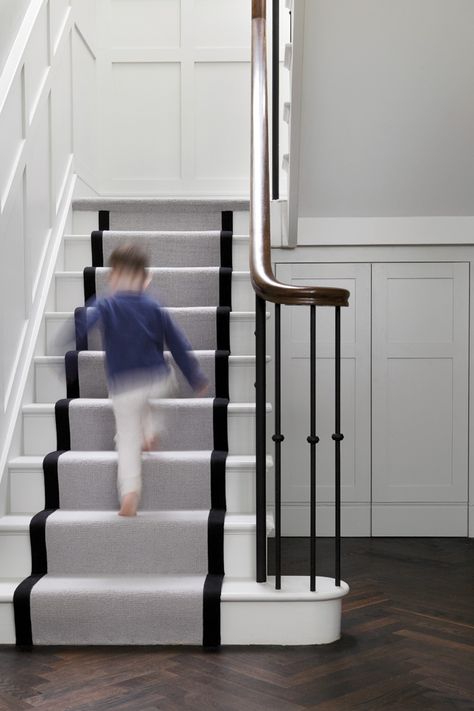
column 234, row 523
column 96, row 203
column 48, row 407
column 78, row 274
column 233, row 461
column 293, row 587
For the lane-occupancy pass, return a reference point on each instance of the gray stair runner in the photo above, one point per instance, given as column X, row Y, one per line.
column 98, row 578
column 85, row 373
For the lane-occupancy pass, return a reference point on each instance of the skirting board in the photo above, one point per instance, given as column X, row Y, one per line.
column 419, row 520
column 380, row 519
column 355, row 519
column 471, row 522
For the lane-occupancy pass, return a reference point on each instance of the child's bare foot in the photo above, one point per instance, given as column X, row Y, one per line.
column 150, row 444
column 129, row 505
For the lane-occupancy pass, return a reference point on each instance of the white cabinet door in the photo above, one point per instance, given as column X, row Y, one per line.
column 420, row 398
column 355, row 415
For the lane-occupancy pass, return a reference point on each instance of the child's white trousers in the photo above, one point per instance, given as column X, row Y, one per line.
column 136, row 422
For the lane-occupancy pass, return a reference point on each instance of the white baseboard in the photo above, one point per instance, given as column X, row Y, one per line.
column 355, row 519
column 419, row 519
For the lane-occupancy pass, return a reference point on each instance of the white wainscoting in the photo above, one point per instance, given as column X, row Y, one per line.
column 36, row 183
column 175, row 96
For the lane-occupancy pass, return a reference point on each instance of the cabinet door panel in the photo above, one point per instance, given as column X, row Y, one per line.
column 420, row 382
column 355, row 367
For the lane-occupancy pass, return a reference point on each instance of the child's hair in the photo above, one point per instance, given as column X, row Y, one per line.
column 130, row 258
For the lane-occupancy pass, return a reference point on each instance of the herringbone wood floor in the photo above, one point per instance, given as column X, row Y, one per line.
column 408, row 643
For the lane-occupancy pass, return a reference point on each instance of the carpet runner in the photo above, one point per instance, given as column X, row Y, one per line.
column 98, row 578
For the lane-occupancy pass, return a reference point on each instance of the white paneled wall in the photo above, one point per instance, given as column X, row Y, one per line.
column 36, row 179
column 175, row 96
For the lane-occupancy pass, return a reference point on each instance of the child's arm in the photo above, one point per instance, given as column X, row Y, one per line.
column 181, row 351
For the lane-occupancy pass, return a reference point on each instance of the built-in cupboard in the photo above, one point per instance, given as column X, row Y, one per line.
column 405, row 397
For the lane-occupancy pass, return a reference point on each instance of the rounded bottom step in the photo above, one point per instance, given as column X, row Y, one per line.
column 256, row 613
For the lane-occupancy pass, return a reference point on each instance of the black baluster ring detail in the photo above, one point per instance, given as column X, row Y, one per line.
column 312, row 439
column 278, row 437
column 337, row 437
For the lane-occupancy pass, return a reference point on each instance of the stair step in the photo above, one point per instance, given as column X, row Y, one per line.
column 50, row 378
column 159, row 214
column 251, row 613
column 256, row 613
column 15, row 549
column 27, row 479
column 39, row 425
column 70, row 287
column 77, row 252
column 242, row 326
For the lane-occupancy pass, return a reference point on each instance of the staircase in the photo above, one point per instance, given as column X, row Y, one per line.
column 158, row 579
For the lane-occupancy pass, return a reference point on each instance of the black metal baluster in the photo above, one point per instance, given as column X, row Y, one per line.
column 313, row 440
column 276, row 100
column 338, row 437
column 278, row 439
column 260, row 432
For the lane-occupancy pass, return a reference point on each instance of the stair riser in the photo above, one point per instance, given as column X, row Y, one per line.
column 84, row 222
column 39, row 433
column 70, row 293
column 27, row 491
column 242, row 339
column 239, row 554
column 77, row 254
column 50, row 381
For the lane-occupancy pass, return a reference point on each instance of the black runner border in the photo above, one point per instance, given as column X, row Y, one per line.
column 104, row 220
column 225, row 287
column 39, row 557
column 221, row 374
column 211, row 611
column 227, row 221
column 219, row 413
column 226, row 248
column 71, row 361
column 89, row 283
column 80, row 326
column 63, row 430
column 223, row 328
column 97, row 248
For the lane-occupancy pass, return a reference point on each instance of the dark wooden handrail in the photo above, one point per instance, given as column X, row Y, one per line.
column 261, row 273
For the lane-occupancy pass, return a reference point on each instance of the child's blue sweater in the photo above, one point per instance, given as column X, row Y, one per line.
column 135, row 331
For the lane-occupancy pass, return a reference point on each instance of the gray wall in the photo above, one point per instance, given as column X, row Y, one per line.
column 11, row 15
column 387, row 108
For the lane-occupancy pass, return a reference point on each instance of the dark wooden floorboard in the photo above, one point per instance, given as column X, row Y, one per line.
column 407, row 645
